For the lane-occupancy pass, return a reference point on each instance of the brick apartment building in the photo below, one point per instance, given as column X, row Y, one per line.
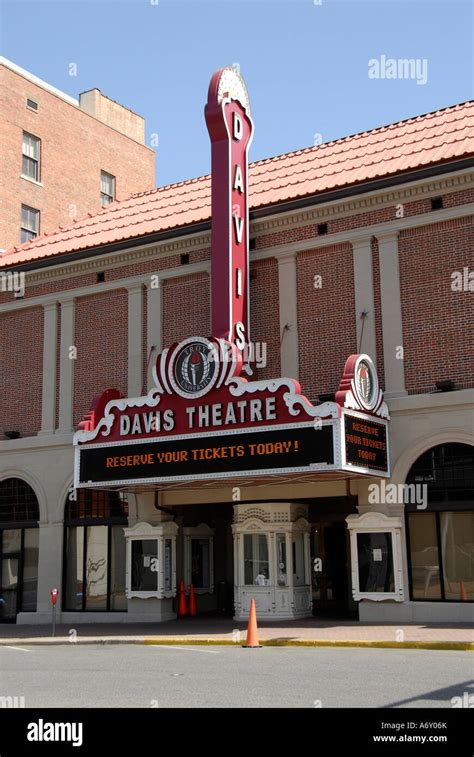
column 62, row 158
column 356, row 246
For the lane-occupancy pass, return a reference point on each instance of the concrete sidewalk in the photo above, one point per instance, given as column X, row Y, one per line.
column 311, row 632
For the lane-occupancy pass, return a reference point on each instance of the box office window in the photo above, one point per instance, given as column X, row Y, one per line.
column 144, row 565
column 94, row 553
column 256, row 560
column 375, row 559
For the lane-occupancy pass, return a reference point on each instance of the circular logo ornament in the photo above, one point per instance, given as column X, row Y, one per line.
column 194, row 367
column 366, row 383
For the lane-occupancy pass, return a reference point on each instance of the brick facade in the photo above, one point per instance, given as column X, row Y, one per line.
column 21, row 371
column 438, row 323
column 326, row 317
column 186, row 308
column 75, row 147
column 101, row 339
column 264, row 315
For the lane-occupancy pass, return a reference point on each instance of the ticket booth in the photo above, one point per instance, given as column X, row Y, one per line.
column 272, row 561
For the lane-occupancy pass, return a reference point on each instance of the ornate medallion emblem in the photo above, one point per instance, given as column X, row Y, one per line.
column 366, row 383
column 194, row 367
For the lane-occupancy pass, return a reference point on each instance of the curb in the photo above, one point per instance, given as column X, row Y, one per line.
column 441, row 645
column 458, row 646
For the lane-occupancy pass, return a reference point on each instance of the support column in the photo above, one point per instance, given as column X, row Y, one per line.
column 287, row 293
column 364, row 297
column 50, row 333
column 66, row 367
column 392, row 326
column 135, row 340
column 154, row 325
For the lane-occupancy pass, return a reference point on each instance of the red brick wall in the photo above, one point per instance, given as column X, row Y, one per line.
column 21, row 371
column 438, row 324
column 101, row 338
column 265, row 314
column 74, row 149
column 186, row 308
column 326, row 317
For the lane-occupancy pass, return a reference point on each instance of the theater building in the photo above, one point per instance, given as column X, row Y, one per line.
column 258, row 382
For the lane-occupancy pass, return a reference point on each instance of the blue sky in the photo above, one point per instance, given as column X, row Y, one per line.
column 305, row 65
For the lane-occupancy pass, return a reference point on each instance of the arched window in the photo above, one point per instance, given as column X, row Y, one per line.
column 94, row 552
column 19, row 539
column 440, row 525
column 18, row 502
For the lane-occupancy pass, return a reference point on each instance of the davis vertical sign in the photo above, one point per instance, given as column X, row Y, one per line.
column 230, row 129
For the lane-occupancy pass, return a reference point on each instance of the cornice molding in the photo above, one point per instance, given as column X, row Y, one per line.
column 377, row 200
column 104, row 262
column 383, row 231
column 67, row 296
column 455, row 182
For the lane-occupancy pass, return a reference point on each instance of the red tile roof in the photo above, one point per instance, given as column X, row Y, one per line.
column 434, row 138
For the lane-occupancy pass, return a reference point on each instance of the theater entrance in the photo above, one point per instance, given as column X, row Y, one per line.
column 330, row 561
column 205, row 556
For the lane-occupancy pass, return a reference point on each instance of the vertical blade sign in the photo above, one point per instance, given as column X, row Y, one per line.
column 230, row 129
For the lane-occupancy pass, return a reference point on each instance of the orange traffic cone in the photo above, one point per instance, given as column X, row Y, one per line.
column 462, row 591
column 192, row 602
column 182, row 607
column 252, row 632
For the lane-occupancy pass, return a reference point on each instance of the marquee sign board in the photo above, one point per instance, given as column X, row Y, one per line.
column 202, row 421
column 189, row 458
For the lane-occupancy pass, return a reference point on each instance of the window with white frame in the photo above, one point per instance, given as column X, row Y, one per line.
column 151, row 560
column 256, row 562
column 145, row 565
column 376, row 556
column 30, row 166
column 107, row 188
column 30, row 219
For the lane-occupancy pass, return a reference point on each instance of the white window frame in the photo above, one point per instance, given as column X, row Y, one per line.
column 103, row 195
column 36, row 231
column 161, row 533
column 374, row 522
column 37, row 161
